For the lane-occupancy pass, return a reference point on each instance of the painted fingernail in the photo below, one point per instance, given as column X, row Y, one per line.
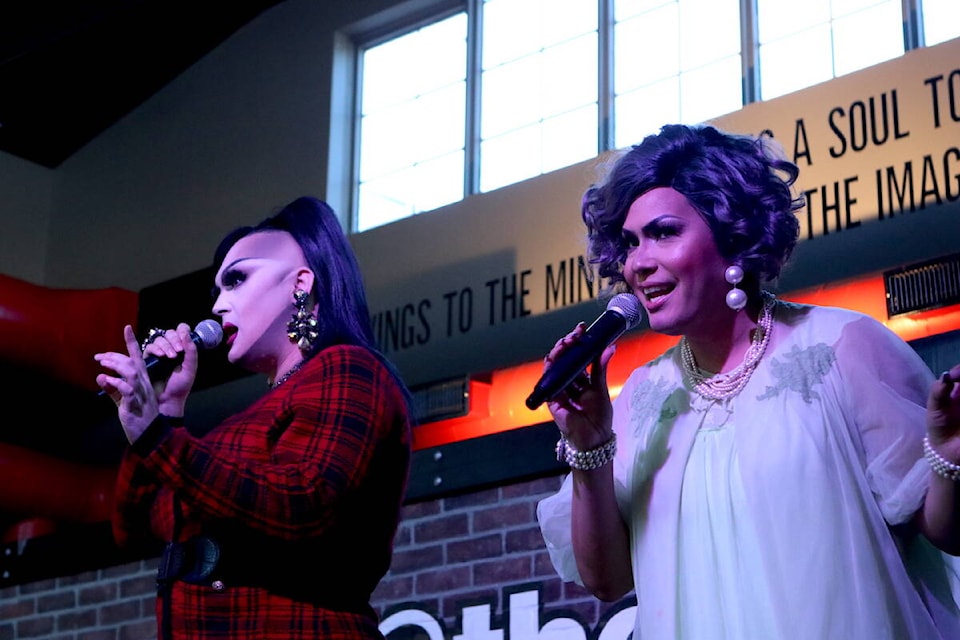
column 945, row 377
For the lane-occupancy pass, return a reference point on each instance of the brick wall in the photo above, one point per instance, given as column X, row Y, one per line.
column 476, row 556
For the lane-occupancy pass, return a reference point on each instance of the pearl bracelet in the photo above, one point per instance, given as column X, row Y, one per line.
column 941, row 466
column 586, row 460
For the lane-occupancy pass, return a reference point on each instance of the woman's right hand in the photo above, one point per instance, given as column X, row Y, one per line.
column 583, row 411
column 172, row 391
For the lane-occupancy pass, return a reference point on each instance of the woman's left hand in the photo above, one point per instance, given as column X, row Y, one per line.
column 943, row 414
column 130, row 387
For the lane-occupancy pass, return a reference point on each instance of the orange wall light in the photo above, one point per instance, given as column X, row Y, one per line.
column 499, row 405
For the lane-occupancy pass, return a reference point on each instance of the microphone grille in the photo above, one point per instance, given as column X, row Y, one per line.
column 627, row 305
column 210, row 333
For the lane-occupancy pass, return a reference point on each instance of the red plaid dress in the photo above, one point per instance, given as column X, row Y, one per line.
column 302, row 492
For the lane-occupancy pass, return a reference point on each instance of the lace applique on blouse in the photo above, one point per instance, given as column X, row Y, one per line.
column 800, row 371
column 649, row 400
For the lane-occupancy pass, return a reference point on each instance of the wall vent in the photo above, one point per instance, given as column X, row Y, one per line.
column 441, row 400
column 923, row 286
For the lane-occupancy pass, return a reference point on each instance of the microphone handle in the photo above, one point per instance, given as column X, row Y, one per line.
column 573, row 361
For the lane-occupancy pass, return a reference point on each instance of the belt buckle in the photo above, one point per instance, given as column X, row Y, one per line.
column 192, row 561
column 204, row 553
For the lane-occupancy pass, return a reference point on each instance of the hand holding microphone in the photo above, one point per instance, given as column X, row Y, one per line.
column 622, row 314
column 206, row 335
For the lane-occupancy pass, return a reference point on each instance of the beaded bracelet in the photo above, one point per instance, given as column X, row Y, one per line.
column 586, row 460
column 941, row 466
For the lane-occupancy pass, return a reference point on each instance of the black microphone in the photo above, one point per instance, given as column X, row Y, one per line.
column 206, row 335
column 623, row 313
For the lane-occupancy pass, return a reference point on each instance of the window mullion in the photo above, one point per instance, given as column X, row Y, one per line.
column 912, row 24
column 471, row 165
column 605, row 77
column 750, row 51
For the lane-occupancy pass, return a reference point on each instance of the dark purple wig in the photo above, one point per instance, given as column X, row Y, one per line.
column 741, row 185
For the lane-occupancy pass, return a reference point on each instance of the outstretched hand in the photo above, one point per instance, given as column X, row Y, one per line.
column 129, row 387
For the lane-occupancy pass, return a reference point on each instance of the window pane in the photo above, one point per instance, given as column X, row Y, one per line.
column 868, row 37
column 569, row 75
column 846, row 35
column 623, row 9
column 413, row 131
column 439, row 181
column 413, row 189
column 540, row 62
column 645, row 110
column 510, row 158
column 413, row 112
column 941, row 20
column 782, row 70
column 679, row 61
column 709, row 30
column 777, row 19
column 390, row 69
column 507, row 30
column 385, row 199
column 711, row 91
column 515, row 28
column 510, row 96
column 645, row 48
column 569, row 139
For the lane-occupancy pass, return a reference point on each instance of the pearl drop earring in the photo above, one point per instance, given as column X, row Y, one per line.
column 736, row 298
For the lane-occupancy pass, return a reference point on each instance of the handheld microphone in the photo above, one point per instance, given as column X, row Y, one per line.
column 206, row 335
column 623, row 313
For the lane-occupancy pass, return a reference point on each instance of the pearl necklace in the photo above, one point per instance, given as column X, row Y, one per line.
column 279, row 381
column 726, row 385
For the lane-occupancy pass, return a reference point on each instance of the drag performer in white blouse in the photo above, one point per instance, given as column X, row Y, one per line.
column 787, row 471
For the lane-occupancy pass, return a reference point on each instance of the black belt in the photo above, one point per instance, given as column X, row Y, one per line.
column 201, row 561
column 193, row 561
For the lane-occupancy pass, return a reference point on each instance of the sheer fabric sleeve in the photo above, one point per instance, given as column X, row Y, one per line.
column 887, row 385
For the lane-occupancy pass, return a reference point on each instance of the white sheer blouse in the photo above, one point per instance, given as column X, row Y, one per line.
column 769, row 517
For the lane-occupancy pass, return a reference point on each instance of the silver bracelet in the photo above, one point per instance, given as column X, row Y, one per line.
column 940, row 465
column 586, row 460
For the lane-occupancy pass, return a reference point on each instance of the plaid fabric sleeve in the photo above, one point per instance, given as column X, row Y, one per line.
column 136, row 489
column 283, row 466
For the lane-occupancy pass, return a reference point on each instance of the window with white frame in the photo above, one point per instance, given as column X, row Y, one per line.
column 506, row 90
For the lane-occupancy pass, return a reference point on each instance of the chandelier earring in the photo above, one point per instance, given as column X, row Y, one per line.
column 736, row 297
column 302, row 328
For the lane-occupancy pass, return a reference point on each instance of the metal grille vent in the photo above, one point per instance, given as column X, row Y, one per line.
column 923, row 286
column 441, row 400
